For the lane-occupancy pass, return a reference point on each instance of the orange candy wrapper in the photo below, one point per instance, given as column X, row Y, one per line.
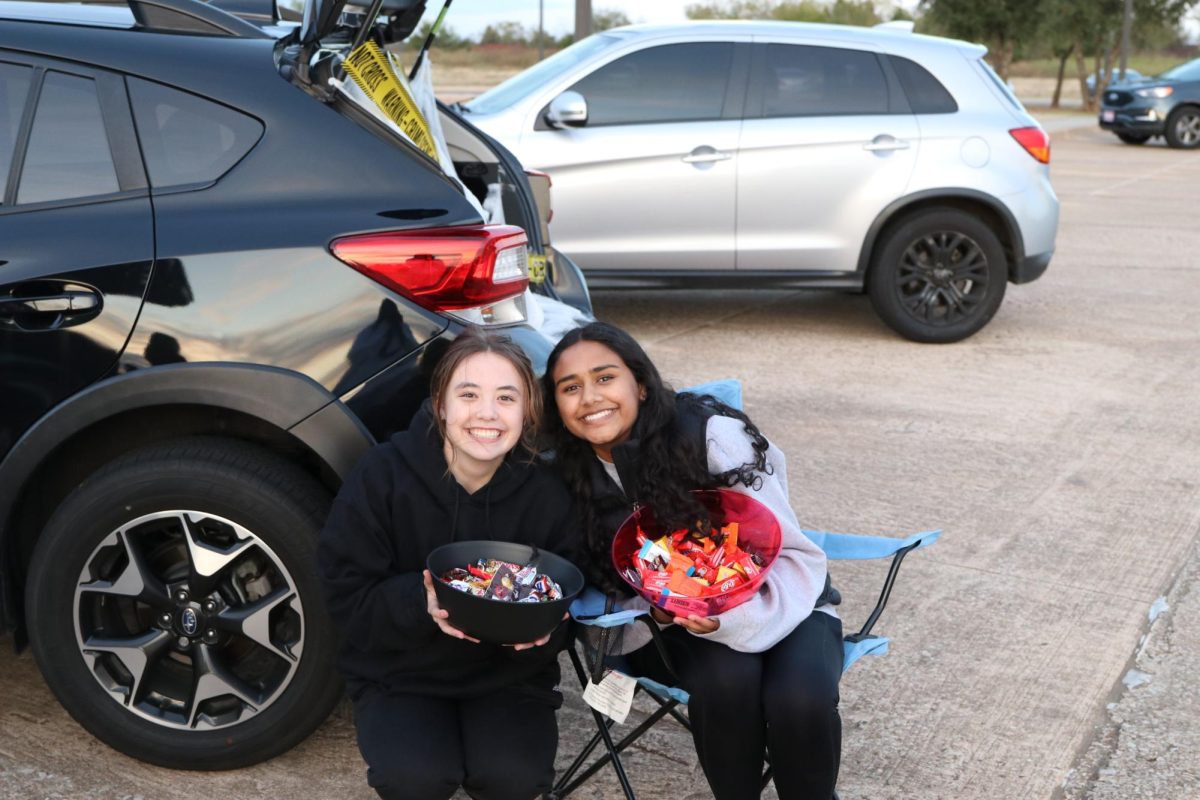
column 687, row 573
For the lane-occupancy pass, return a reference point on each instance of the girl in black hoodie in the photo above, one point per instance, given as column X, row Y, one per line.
column 435, row 709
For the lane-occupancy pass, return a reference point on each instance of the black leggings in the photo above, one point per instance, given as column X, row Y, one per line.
column 499, row 747
column 783, row 700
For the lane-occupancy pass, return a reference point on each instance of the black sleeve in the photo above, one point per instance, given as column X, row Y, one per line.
column 370, row 601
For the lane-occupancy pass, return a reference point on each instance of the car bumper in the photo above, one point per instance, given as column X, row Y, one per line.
column 1146, row 120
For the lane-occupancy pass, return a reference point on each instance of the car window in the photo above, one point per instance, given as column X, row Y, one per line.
column 524, row 83
column 14, row 89
column 926, row 94
column 671, row 83
column 801, row 81
column 68, row 154
column 186, row 139
column 1189, row 71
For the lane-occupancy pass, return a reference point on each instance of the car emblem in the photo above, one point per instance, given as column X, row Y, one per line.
column 188, row 621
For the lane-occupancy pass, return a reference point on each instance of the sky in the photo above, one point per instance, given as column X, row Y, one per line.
column 470, row 17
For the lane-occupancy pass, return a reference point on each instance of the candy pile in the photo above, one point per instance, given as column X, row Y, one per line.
column 502, row 580
column 688, row 565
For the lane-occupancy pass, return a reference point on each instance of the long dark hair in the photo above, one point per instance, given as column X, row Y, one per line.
column 671, row 463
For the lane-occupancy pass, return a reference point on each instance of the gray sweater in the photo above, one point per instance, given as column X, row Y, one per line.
column 795, row 581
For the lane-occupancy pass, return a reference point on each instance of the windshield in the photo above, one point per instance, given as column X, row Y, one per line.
column 528, row 81
column 1184, row 72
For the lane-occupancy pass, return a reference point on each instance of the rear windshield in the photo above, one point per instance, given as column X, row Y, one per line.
column 1001, row 85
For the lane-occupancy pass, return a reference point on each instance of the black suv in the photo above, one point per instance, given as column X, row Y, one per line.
column 222, row 278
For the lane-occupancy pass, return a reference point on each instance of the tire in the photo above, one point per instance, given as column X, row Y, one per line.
column 938, row 276
column 1183, row 128
column 1133, row 138
column 237, row 669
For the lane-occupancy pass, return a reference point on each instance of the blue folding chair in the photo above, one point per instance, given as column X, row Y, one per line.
column 594, row 609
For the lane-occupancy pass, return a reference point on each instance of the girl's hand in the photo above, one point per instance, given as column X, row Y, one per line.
column 538, row 643
column 440, row 615
column 698, row 624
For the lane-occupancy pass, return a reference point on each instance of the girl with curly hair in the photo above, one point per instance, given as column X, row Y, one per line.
column 762, row 676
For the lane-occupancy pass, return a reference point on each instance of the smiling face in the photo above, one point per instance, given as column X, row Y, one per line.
column 597, row 395
column 483, row 413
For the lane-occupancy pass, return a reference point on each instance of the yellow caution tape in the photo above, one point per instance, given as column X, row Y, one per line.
column 537, row 268
column 370, row 69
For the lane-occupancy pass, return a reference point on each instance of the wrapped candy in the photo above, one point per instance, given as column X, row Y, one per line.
column 701, row 570
column 503, row 581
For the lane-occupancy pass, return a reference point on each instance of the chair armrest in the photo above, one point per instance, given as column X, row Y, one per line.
column 592, row 608
column 855, row 547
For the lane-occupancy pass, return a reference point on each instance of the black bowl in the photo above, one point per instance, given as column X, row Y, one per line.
column 499, row 621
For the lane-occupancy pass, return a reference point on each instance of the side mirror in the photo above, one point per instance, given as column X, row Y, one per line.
column 569, row 109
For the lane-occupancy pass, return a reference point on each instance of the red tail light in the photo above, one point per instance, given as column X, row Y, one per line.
column 1035, row 141
column 443, row 268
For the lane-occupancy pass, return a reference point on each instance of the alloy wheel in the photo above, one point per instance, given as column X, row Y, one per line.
column 1187, row 129
column 188, row 620
column 942, row 278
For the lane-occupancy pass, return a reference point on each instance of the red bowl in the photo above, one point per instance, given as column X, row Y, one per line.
column 758, row 532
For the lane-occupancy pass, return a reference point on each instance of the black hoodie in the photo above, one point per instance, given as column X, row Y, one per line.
column 399, row 504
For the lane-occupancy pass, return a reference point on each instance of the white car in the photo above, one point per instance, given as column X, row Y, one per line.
column 781, row 153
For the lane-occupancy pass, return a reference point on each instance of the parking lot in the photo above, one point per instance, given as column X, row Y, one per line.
column 1059, row 450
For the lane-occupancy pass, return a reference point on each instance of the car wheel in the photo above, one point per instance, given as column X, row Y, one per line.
column 1133, row 138
column 938, row 276
column 1183, row 127
column 174, row 608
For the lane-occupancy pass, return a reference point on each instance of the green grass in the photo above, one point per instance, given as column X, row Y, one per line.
column 1145, row 63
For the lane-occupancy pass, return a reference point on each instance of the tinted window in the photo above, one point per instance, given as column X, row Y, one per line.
column 803, row 81
column 68, row 154
column 673, row 83
column 14, row 88
column 926, row 95
column 186, row 139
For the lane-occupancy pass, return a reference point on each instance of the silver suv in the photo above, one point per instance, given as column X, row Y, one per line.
column 788, row 154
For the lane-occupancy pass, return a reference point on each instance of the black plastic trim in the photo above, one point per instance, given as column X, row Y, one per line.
column 287, row 400
column 1012, row 229
column 1030, row 268
column 723, row 279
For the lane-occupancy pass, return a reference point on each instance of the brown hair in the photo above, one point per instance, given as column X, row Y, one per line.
column 474, row 341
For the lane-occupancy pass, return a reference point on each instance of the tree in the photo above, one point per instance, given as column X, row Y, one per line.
column 844, row 12
column 604, row 20
column 503, row 33
column 998, row 24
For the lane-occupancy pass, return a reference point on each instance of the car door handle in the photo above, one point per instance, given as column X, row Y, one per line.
column 885, row 143
column 65, row 303
column 705, row 155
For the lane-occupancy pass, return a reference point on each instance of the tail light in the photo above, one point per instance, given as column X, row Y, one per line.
column 443, row 269
column 1035, row 141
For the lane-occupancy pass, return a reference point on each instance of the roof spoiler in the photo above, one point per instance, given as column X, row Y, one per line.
column 903, row 25
column 193, row 16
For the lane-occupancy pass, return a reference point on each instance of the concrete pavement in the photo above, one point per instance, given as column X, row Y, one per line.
column 1058, row 449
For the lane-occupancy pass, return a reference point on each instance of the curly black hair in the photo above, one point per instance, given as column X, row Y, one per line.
column 671, row 463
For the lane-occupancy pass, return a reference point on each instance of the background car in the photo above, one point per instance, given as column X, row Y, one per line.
column 1131, row 76
column 220, row 282
column 1167, row 105
column 776, row 153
